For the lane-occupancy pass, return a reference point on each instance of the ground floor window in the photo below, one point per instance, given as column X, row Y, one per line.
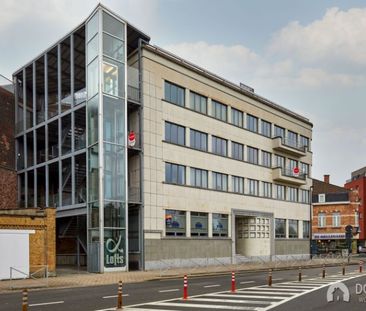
column 220, row 224
column 306, row 229
column 175, row 223
column 280, row 228
column 293, row 228
column 199, row 224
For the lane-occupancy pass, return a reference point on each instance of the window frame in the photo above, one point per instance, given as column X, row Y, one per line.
column 223, row 181
column 179, row 127
column 203, row 179
column 193, row 142
column 237, row 148
column 170, row 100
column 252, row 123
column 171, row 179
column 215, row 140
column 268, row 126
column 219, row 110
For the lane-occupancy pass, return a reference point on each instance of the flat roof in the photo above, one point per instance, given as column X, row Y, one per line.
column 164, row 53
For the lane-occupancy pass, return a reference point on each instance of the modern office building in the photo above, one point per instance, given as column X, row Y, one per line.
column 334, row 208
column 358, row 182
column 153, row 161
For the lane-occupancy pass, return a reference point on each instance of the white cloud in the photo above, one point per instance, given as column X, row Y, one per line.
column 338, row 37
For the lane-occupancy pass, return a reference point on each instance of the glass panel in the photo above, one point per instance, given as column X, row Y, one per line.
column 30, row 188
column 29, row 96
column 93, row 48
column 79, row 66
column 30, row 149
column 52, row 83
column 114, row 120
column 80, row 179
column 93, row 25
column 66, row 182
column 113, row 26
column 41, row 187
column 219, row 225
column 41, row 145
column 175, row 223
column 94, row 215
column 113, row 78
column 114, row 172
column 66, row 97
column 66, row 134
column 53, row 179
column 93, row 78
column 93, row 173
column 113, row 47
column 114, row 248
column 20, row 107
column 21, row 185
column 79, row 129
column 199, row 224
column 40, row 91
column 114, row 215
column 92, row 108
column 53, row 140
column 20, row 154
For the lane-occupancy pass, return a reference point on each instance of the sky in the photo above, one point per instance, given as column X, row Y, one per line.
column 308, row 56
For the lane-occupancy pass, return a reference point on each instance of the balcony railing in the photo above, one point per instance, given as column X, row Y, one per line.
column 290, row 173
column 293, row 144
column 133, row 86
column 289, row 146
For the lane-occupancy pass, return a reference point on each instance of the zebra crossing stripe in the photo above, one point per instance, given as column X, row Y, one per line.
column 256, row 302
column 267, row 293
column 201, row 306
column 279, row 289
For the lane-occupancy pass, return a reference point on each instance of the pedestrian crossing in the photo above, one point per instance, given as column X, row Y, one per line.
column 255, row 298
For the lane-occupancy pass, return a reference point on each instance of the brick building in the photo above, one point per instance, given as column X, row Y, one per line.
column 8, row 177
column 333, row 208
column 358, row 182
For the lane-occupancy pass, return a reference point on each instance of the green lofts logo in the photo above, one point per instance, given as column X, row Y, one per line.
column 114, row 252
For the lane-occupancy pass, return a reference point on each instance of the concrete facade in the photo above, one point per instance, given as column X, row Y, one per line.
column 160, row 196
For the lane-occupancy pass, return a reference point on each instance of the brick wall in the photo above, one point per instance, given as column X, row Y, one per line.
column 8, row 184
column 42, row 244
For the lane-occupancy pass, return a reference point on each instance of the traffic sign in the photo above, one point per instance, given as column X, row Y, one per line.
column 296, row 171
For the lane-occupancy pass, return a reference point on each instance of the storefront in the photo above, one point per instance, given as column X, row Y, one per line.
column 331, row 243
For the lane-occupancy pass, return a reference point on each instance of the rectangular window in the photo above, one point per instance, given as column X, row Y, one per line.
column 236, row 117
column 280, row 228
column 175, row 134
column 253, row 186
column 304, row 141
column 199, row 178
column 266, row 128
column 279, row 131
column 198, row 140
column 336, row 219
column 198, row 102
column 199, row 224
column 306, row 229
column 292, row 139
column 292, row 194
column 219, row 146
column 279, row 161
column 280, row 192
column 293, row 229
column 252, row 155
column 266, row 159
column 304, row 196
column 237, row 151
column 267, row 189
column 220, row 224
column 238, row 184
column 219, row 181
column 304, row 168
column 219, row 111
column 322, row 220
column 175, row 174
column 175, row 223
column 174, row 94
column 292, row 164
column 252, row 123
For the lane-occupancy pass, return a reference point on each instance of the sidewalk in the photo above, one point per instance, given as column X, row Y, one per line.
column 84, row 279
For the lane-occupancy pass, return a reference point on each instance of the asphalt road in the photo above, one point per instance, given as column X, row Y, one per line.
column 105, row 297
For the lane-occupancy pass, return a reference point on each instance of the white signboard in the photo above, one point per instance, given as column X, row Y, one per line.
column 329, row 236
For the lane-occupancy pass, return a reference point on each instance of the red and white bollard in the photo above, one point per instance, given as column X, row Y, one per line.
column 361, row 264
column 185, row 288
column 233, row 285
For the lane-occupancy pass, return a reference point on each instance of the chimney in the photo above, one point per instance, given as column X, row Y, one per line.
column 326, row 179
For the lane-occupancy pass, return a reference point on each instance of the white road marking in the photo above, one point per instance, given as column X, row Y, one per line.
column 267, row 293
column 279, row 279
column 278, row 289
column 242, row 295
column 46, row 303
column 243, row 301
column 200, row 306
column 214, row 285
column 247, row 282
column 168, row 290
column 256, row 302
column 115, row 296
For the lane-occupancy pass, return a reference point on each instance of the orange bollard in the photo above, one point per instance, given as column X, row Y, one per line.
column 343, row 269
column 270, row 277
column 119, row 299
column 323, row 272
column 185, row 288
column 361, row 264
column 25, row 300
column 300, row 276
column 233, row 285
